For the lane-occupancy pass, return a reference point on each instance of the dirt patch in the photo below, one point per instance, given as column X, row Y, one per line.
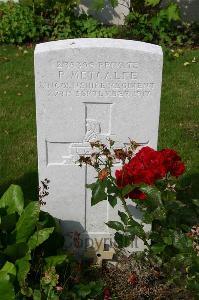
column 133, row 280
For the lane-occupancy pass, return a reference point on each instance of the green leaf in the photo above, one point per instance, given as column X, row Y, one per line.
column 96, row 287
column 13, row 200
column 9, row 268
column 26, row 291
column 158, row 248
column 122, row 240
column 23, row 268
column 111, row 188
column 195, row 202
column 53, row 261
column 167, row 240
column 16, row 250
column 112, row 200
column 154, row 196
column 91, row 185
column 83, row 290
column 181, row 241
column 173, row 12
column 27, row 222
column 115, row 225
column 98, row 192
column 193, row 285
column 159, row 213
column 127, row 189
column 152, row 2
column 137, row 231
column 39, row 237
column 6, row 290
column 114, row 3
column 132, row 222
column 147, row 217
column 4, row 275
column 8, row 222
column 97, row 4
column 46, row 221
column 124, row 217
column 37, row 295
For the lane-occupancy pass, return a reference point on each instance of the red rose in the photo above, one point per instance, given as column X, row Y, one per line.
column 144, row 176
column 122, row 177
column 177, row 169
column 172, row 162
column 149, row 159
column 170, row 155
column 147, row 166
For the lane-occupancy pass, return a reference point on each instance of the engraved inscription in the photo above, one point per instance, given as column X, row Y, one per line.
column 97, row 79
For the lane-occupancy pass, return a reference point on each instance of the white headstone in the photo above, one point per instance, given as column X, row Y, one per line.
column 89, row 89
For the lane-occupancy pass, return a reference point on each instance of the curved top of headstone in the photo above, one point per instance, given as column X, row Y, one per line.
column 98, row 43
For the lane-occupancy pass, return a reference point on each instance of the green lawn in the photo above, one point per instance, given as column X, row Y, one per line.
column 179, row 116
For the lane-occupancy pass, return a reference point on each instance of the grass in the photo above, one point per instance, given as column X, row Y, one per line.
column 18, row 161
column 179, row 127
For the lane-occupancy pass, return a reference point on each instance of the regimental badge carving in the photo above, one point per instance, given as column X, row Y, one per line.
column 93, row 130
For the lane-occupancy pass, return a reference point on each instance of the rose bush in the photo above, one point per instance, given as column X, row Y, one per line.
column 150, row 179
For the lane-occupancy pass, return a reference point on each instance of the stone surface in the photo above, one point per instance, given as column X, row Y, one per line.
column 89, row 89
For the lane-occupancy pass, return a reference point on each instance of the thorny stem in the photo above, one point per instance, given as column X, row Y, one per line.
column 126, row 207
column 131, row 218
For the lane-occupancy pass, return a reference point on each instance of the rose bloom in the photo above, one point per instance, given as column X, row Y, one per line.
column 147, row 166
column 172, row 162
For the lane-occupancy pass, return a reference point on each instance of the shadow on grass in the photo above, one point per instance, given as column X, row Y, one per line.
column 190, row 186
column 28, row 183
